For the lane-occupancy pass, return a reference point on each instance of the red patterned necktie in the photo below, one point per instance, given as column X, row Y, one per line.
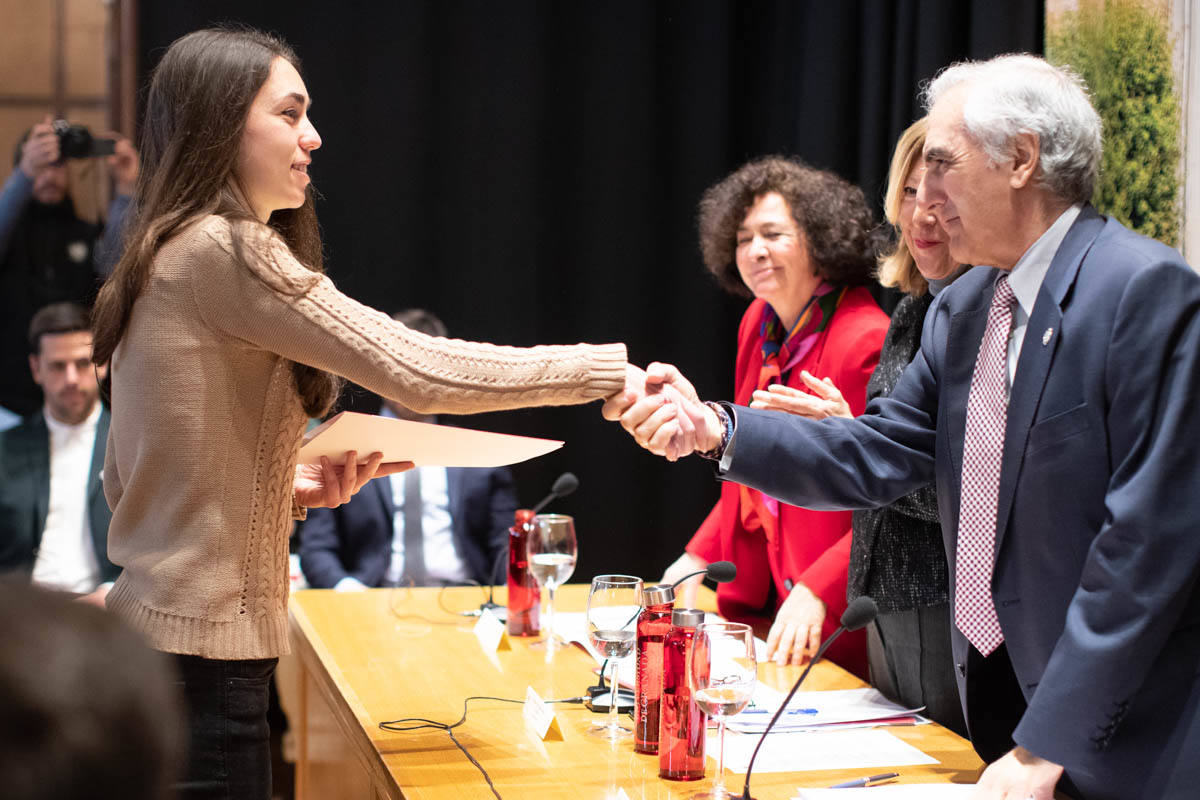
column 983, row 449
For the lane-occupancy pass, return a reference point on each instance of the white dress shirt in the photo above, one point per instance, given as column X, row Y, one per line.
column 66, row 558
column 442, row 562
column 1026, row 281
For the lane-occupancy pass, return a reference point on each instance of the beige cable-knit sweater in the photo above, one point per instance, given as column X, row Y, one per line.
column 206, row 426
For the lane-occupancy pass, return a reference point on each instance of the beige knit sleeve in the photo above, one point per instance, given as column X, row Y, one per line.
column 111, row 477
column 280, row 306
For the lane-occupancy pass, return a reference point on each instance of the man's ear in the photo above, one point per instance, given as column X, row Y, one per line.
column 1026, row 158
column 35, row 368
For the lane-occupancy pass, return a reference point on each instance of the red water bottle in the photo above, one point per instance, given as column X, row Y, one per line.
column 524, row 594
column 652, row 626
column 682, row 726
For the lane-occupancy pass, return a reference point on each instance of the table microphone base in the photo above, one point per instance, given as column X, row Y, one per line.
column 598, row 702
column 498, row 611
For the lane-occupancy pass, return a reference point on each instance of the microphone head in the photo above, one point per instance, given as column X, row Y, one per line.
column 566, row 483
column 721, row 571
column 859, row 613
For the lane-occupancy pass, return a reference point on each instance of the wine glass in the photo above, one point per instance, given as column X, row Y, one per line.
column 614, row 602
column 722, row 674
column 551, row 550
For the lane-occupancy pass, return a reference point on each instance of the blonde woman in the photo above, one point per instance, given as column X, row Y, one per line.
column 897, row 556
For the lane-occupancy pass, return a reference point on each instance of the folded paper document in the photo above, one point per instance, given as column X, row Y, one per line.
column 420, row 442
column 819, row 750
column 808, row 710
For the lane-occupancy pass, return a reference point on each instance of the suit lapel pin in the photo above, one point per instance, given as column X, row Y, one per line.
column 1046, row 336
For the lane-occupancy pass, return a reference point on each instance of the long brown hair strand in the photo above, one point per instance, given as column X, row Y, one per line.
column 196, row 108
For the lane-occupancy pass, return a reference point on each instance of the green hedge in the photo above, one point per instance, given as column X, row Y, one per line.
column 1122, row 49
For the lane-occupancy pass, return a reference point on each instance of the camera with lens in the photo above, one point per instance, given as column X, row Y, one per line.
column 76, row 141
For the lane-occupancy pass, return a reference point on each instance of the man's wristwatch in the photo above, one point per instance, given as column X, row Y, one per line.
column 726, row 421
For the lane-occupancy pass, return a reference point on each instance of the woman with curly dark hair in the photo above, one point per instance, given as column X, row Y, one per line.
column 802, row 242
column 897, row 556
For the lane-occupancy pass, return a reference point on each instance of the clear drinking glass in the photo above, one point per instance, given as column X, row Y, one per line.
column 614, row 602
column 722, row 674
column 551, row 548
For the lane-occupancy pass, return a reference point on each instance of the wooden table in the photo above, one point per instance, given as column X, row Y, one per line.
column 391, row 653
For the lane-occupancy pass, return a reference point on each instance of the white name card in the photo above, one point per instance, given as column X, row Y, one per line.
column 539, row 718
column 491, row 632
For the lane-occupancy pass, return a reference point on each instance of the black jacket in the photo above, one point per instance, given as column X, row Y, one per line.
column 25, row 495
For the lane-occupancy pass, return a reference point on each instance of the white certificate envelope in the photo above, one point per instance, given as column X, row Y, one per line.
column 423, row 443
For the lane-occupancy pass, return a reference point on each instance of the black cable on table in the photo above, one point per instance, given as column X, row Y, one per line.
column 399, row 726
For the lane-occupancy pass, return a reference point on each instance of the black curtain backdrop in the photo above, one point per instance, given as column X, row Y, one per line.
column 530, row 171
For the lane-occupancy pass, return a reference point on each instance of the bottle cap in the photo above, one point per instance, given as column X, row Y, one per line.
column 522, row 518
column 657, row 594
column 686, row 617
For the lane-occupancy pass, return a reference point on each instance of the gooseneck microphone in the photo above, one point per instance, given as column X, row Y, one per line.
column 490, row 604
column 719, row 571
column 564, row 485
column 857, row 614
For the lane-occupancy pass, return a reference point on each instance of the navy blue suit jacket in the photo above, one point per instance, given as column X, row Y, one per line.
column 1098, row 531
column 355, row 539
column 25, row 495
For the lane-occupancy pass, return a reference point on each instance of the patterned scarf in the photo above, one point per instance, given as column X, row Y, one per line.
column 780, row 355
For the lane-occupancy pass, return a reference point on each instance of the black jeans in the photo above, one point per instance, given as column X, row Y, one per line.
column 229, row 754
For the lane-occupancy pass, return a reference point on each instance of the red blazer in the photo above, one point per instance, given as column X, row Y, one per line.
column 813, row 547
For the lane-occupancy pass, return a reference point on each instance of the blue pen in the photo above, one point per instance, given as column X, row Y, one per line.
column 867, row 781
column 753, row 710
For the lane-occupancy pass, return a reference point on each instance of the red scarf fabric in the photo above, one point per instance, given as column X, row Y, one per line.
column 780, row 355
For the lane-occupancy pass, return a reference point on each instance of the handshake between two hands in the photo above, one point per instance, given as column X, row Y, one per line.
column 661, row 411
column 658, row 407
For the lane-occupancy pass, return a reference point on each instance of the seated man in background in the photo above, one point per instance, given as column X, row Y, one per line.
column 53, row 515
column 459, row 517
column 49, row 251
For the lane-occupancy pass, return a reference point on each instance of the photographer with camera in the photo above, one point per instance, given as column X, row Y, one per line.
column 47, row 253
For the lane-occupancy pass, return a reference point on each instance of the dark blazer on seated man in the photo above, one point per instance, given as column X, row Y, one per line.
column 355, row 539
column 25, row 495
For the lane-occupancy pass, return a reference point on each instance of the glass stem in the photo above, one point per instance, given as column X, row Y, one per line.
column 719, row 778
column 613, row 725
column 550, row 616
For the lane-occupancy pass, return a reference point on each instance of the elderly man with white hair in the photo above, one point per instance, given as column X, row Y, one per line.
column 1052, row 403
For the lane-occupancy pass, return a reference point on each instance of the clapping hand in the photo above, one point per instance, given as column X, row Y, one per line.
column 325, row 485
column 825, row 401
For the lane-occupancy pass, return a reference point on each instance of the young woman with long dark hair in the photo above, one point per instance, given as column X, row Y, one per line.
column 223, row 338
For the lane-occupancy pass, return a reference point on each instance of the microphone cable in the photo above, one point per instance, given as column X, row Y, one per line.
column 395, row 597
column 420, row 723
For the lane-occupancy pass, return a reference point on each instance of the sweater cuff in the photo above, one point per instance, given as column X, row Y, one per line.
column 608, row 370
